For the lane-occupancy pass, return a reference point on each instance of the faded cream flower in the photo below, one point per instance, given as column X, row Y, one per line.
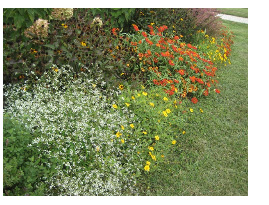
column 61, row 13
column 97, row 21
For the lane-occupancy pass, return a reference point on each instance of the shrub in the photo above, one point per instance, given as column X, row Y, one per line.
column 116, row 17
column 23, row 170
column 180, row 21
column 82, row 38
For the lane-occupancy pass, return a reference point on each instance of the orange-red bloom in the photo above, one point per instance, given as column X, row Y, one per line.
column 217, row 91
column 144, row 34
column 135, row 27
column 194, row 100
column 171, row 62
column 181, row 72
column 192, row 79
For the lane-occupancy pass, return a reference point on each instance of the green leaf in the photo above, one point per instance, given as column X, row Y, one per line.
column 50, row 46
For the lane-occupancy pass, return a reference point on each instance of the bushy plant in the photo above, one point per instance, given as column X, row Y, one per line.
column 218, row 49
column 179, row 68
column 22, row 169
column 156, row 125
column 184, row 22
column 85, row 139
column 61, row 39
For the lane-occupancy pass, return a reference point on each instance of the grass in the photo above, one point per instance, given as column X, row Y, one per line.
column 212, row 158
column 241, row 12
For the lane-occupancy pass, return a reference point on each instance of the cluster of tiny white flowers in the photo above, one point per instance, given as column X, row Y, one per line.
column 71, row 119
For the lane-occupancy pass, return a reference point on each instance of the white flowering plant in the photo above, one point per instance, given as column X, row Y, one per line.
column 80, row 137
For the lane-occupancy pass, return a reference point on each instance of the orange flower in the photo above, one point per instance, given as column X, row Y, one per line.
column 217, row 91
column 144, row 34
column 194, row 100
column 171, row 62
column 176, row 37
column 181, row 72
column 180, row 58
column 135, row 27
column 192, row 79
column 205, row 93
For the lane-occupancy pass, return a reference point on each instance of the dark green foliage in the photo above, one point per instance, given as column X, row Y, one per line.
column 117, row 17
column 21, row 166
column 71, row 41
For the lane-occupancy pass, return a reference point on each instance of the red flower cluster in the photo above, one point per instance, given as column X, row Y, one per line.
column 114, row 31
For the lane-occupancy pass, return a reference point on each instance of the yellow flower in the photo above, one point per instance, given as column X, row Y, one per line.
column 121, row 87
column 181, row 19
column 153, row 157
column 122, row 141
column 151, row 104
column 165, row 113
column 118, row 134
column 191, row 110
column 115, row 106
column 142, row 86
column 162, row 156
column 183, row 132
column 157, row 137
column 132, row 125
column 144, row 132
column 146, row 168
column 174, row 142
column 97, row 149
column 147, row 163
column 83, row 44
column 152, row 24
column 168, row 111
column 122, row 127
column 138, row 94
column 127, row 65
column 133, row 97
column 201, row 110
column 165, row 99
column 150, row 148
column 127, row 104
column 144, row 93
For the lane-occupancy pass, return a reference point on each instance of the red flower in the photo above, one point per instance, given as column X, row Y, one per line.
column 205, row 93
column 171, row 62
column 149, row 41
column 114, row 31
column 192, row 79
column 176, row 37
column 181, row 72
column 155, row 82
column 176, row 81
column 144, row 34
column 194, row 100
column 217, row 91
column 180, row 58
column 135, row 27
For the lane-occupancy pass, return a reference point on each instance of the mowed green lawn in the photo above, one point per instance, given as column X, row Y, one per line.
column 212, row 157
column 241, row 12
